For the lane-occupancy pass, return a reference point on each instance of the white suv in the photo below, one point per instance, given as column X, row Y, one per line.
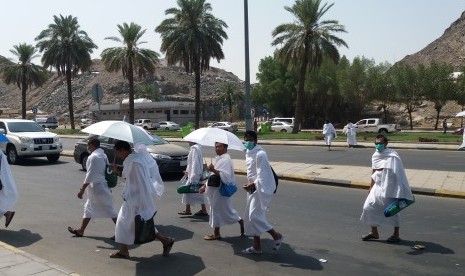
column 28, row 139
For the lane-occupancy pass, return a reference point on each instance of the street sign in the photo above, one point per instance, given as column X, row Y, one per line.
column 97, row 92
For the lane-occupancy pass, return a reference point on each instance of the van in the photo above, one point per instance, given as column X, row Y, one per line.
column 283, row 119
column 47, row 122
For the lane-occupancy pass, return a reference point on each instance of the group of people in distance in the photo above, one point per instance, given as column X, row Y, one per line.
column 329, row 133
column 143, row 182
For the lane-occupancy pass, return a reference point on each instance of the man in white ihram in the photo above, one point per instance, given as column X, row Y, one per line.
column 260, row 188
column 194, row 173
column 99, row 202
column 351, row 133
column 8, row 191
column 388, row 182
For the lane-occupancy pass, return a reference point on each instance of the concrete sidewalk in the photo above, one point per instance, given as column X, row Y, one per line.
column 14, row 261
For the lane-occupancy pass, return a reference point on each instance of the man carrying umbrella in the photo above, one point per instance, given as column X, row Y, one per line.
column 8, row 191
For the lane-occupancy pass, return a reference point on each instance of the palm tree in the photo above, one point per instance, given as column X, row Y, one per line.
column 24, row 73
column 305, row 43
column 191, row 37
column 130, row 58
column 229, row 93
column 67, row 48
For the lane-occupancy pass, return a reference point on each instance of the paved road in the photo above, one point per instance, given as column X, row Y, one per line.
column 317, row 221
column 413, row 159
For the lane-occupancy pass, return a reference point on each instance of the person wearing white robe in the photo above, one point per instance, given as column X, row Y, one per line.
column 194, row 173
column 260, row 188
column 351, row 133
column 143, row 181
column 99, row 202
column 8, row 193
column 221, row 209
column 329, row 132
column 388, row 183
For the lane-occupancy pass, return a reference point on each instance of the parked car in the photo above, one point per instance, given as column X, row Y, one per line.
column 225, row 125
column 28, row 139
column 170, row 158
column 86, row 122
column 168, row 125
column 279, row 127
column 289, row 120
column 375, row 125
column 146, row 124
column 47, row 122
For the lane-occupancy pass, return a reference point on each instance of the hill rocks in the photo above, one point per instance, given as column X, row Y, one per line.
column 173, row 83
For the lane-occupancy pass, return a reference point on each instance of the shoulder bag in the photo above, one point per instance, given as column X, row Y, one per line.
column 144, row 230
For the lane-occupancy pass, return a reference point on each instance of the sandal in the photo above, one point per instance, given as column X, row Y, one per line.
column 368, row 237
column 167, row 248
column 119, row 255
column 201, row 213
column 8, row 219
column 212, row 237
column 251, row 250
column 393, row 239
column 184, row 213
column 278, row 243
column 74, row 231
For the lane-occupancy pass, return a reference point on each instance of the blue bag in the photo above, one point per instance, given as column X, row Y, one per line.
column 227, row 190
column 397, row 205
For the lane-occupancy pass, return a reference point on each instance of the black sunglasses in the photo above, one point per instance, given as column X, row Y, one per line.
column 379, row 143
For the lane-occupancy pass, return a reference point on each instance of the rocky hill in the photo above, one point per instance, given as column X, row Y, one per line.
column 172, row 82
column 449, row 48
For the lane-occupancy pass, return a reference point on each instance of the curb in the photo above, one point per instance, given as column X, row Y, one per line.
column 361, row 185
column 36, row 259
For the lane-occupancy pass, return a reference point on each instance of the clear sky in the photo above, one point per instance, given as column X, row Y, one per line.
column 378, row 29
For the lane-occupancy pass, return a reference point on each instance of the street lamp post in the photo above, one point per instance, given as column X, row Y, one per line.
column 248, row 116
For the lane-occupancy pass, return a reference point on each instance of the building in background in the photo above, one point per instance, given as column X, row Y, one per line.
column 179, row 112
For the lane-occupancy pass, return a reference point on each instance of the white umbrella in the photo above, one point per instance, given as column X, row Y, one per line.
column 121, row 131
column 208, row 136
column 460, row 114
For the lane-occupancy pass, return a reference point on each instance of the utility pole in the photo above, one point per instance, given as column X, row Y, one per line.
column 248, row 116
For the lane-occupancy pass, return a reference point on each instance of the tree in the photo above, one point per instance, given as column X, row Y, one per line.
column 67, row 48
column 24, row 73
column 149, row 90
column 276, row 88
column 306, row 42
column 130, row 58
column 229, row 94
column 438, row 86
column 191, row 37
column 407, row 83
column 380, row 87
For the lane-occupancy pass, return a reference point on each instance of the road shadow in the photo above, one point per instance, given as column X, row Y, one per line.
column 172, row 177
column 19, row 238
column 175, row 264
column 286, row 257
column 424, row 247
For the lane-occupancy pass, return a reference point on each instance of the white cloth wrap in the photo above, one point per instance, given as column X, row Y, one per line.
column 351, row 133
column 390, row 183
column 99, row 202
column 194, row 172
column 143, row 181
column 329, row 132
column 9, row 193
column 258, row 172
column 221, row 209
